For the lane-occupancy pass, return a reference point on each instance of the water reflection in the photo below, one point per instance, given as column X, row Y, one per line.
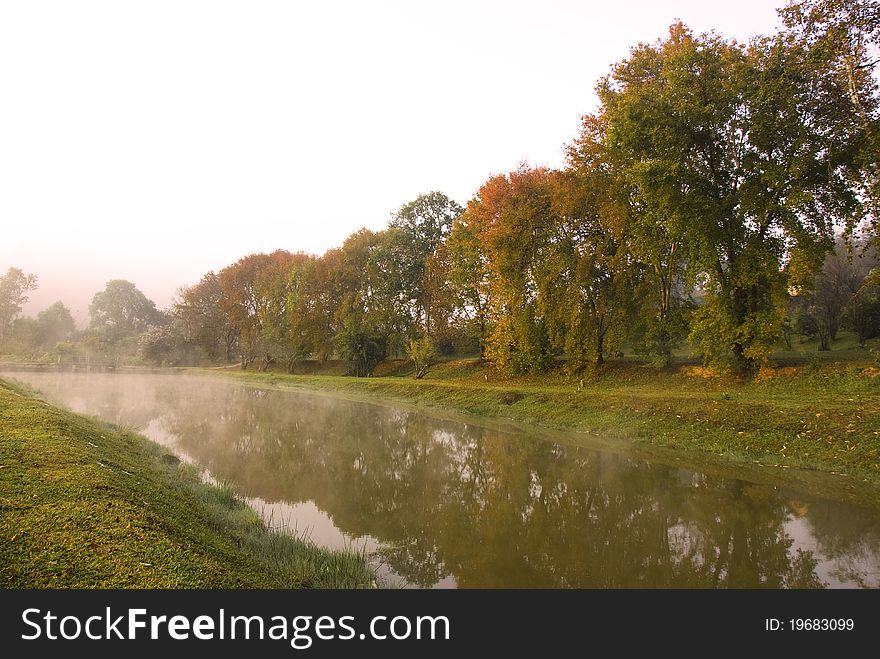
column 455, row 504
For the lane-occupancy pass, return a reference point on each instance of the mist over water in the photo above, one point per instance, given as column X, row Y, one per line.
column 445, row 503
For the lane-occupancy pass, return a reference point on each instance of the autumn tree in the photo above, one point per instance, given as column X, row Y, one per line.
column 510, row 217
column 203, row 322
column 245, row 300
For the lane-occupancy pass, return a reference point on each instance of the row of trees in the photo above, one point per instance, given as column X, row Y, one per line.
column 121, row 317
column 711, row 183
column 701, row 200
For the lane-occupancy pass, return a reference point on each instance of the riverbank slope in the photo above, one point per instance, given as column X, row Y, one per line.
column 818, row 417
column 84, row 504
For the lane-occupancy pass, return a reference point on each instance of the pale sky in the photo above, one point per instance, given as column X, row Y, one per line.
column 156, row 140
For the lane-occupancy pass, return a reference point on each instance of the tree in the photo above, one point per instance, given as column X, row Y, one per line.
column 510, row 217
column 286, row 318
column 465, row 280
column 14, row 288
column 593, row 273
column 123, row 310
column 422, row 226
column 203, row 322
column 833, row 288
column 842, row 42
column 166, row 345
column 861, row 313
column 365, row 314
column 245, row 302
column 716, row 131
column 53, row 324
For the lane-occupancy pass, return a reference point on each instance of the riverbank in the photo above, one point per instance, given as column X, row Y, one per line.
column 84, row 504
column 822, row 417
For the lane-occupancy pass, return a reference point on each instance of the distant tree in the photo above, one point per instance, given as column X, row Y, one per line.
column 121, row 309
column 285, row 319
column 461, row 270
column 366, row 317
column 203, row 322
column 363, row 347
column 52, row 325
column 165, row 345
column 833, row 287
column 862, row 311
column 245, row 302
column 14, row 288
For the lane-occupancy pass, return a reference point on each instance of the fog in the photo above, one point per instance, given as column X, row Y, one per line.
column 156, row 142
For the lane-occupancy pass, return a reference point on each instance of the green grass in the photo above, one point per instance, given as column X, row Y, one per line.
column 816, row 416
column 84, row 504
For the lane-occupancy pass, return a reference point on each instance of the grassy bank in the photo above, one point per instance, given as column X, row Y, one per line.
column 84, row 504
column 822, row 417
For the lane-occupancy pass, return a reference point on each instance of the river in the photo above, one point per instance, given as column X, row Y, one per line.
column 447, row 503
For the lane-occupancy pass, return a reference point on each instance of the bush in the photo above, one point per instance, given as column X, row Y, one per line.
column 423, row 353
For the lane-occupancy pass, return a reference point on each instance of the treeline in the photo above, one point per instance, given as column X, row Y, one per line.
column 722, row 193
column 708, row 188
column 121, row 318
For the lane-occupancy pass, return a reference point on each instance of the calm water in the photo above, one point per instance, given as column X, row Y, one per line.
column 444, row 503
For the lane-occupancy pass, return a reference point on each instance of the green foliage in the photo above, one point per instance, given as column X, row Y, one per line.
column 423, row 354
column 730, row 347
column 518, row 344
column 362, row 347
column 715, row 144
column 122, row 310
column 657, row 336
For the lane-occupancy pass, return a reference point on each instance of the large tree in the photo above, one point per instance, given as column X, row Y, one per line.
column 122, row 309
column 715, row 130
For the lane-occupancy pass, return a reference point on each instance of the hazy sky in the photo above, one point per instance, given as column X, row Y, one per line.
column 154, row 141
